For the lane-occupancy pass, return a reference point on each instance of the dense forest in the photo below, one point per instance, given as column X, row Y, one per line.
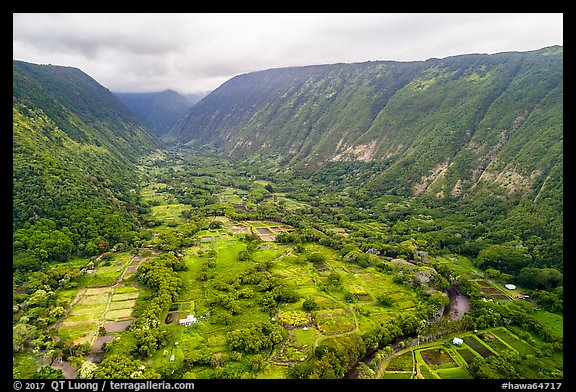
column 323, row 226
column 74, row 152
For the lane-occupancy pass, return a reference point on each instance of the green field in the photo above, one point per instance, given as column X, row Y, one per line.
column 231, row 281
column 441, row 359
column 92, row 306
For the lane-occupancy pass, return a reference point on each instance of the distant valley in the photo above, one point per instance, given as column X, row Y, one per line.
column 376, row 220
column 158, row 111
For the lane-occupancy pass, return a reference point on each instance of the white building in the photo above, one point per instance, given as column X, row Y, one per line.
column 457, row 341
column 510, row 286
column 191, row 319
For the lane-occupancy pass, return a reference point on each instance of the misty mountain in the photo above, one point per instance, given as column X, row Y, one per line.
column 159, row 111
column 194, row 98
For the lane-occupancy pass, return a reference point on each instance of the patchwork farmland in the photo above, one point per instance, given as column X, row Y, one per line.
column 98, row 313
column 445, row 360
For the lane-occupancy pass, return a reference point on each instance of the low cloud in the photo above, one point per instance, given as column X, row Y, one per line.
column 198, row 52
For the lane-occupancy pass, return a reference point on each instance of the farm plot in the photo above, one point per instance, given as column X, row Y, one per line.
column 117, row 326
column 439, row 361
column 291, row 351
column 436, row 358
column 477, row 346
column 294, row 318
column 294, row 275
column 372, row 316
column 335, row 321
column 291, row 204
column 174, row 317
column 150, row 192
column 402, row 362
column 99, row 306
column 454, row 373
column 518, row 344
column 493, row 293
column 133, row 266
column 322, row 269
column 178, row 311
column 488, row 289
column 240, row 229
column 169, row 212
column 494, row 342
column 372, row 226
column 324, row 301
column 298, row 347
column 268, row 230
column 121, row 303
column 117, row 316
column 232, row 196
column 402, row 300
column 339, row 230
column 210, row 235
column 467, row 355
column 396, row 375
column 82, row 321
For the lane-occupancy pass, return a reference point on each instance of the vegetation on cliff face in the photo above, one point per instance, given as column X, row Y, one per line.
column 443, row 127
column 339, row 207
column 74, row 148
column 478, row 134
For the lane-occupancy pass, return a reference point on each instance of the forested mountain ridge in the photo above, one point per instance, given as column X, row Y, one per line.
column 74, row 149
column 309, row 265
column 159, row 111
column 442, row 127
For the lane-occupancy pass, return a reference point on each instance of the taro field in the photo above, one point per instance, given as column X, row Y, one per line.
column 101, row 306
column 345, row 296
column 95, row 307
column 444, row 360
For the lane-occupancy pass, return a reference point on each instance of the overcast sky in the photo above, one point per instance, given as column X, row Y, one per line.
column 198, row 52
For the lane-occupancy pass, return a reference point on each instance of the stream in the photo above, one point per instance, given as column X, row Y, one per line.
column 458, row 306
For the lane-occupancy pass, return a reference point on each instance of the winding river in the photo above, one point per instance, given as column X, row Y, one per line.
column 458, row 306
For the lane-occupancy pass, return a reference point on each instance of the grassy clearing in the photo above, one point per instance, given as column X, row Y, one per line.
column 169, row 212
column 457, row 263
column 553, row 321
column 454, row 373
column 396, row 375
column 335, row 321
